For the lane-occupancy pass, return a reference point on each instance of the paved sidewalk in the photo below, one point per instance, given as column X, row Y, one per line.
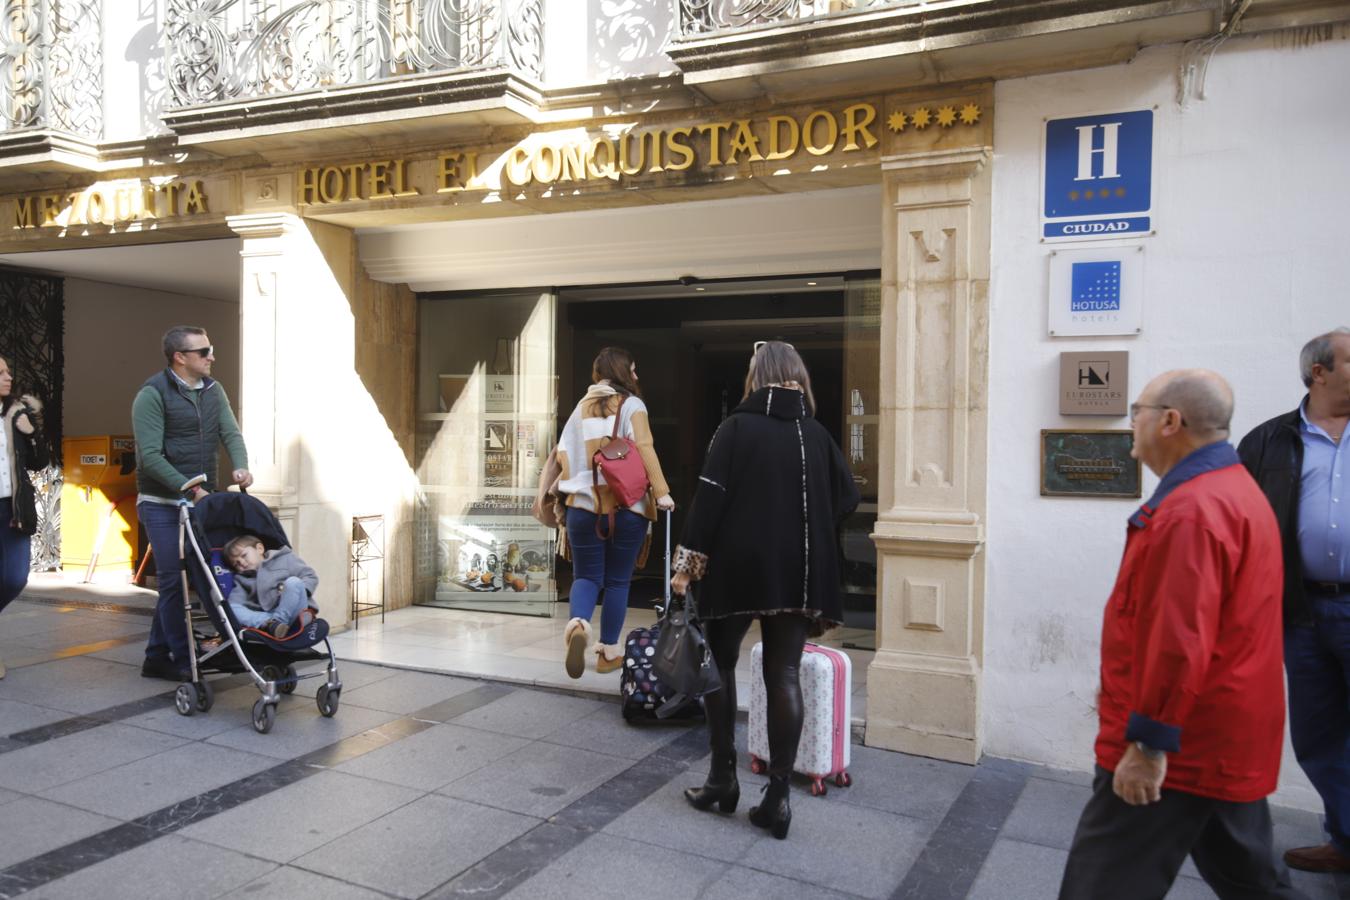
column 428, row 785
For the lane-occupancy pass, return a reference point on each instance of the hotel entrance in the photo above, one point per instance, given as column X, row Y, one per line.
column 500, row 373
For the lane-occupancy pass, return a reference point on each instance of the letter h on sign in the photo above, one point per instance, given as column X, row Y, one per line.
column 1098, row 175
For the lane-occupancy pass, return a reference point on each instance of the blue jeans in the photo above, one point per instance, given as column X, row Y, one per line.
column 1317, row 658
column 15, row 553
column 294, row 598
column 603, row 565
column 168, row 630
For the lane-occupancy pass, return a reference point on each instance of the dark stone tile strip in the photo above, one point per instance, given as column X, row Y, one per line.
column 956, row 850
column 88, row 604
column 510, row 865
column 460, row 704
column 40, row 870
column 121, row 712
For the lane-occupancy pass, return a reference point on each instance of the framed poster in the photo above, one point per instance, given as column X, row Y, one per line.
column 1094, row 463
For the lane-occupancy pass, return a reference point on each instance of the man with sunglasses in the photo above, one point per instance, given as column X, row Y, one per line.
column 180, row 418
column 1191, row 705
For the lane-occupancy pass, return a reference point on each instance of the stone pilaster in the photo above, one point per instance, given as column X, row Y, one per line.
column 262, row 402
column 924, row 683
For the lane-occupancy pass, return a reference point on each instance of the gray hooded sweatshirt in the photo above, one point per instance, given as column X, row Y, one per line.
column 261, row 590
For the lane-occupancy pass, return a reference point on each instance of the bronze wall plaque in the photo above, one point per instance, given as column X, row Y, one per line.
column 1089, row 464
column 1094, row 382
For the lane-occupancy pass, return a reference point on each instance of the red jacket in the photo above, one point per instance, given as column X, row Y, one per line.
column 1192, row 651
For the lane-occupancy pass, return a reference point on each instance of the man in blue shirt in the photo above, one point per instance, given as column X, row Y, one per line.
column 1301, row 461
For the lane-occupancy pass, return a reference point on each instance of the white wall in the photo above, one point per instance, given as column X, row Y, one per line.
column 1246, row 266
column 112, row 345
column 133, row 69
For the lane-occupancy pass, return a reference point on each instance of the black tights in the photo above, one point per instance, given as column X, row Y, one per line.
column 784, row 636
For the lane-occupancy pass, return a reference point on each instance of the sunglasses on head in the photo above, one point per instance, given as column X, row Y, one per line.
column 759, row 344
column 203, row 352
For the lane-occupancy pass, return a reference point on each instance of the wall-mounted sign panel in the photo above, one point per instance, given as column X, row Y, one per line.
column 1089, row 464
column 1094, row 383
column 1095, row 292
column 1098, row 176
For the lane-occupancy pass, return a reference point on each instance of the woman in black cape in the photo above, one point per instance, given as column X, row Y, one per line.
column 761, row 540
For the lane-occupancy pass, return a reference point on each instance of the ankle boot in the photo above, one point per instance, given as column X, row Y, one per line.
column 721, row 788
column 774, row 813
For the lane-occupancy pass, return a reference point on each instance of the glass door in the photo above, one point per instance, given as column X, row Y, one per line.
column 487, row 419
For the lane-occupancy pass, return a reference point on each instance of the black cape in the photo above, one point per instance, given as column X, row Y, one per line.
column 774, row 489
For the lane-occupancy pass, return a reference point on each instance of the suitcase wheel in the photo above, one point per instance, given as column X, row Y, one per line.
column 818, row 788
column 757, row 765
column 842, row 780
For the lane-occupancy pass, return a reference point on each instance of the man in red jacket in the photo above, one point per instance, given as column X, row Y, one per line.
column 1191, row 707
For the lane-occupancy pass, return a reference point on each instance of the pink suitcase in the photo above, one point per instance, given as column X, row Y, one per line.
column 827, row 714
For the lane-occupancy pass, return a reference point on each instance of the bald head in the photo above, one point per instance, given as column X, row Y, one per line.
column 1203, row 398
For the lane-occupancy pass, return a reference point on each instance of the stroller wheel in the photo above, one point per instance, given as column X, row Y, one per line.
column 185, row 699
column 327, row 701
column 264, row 715
column 289, row 680
column 205, row 695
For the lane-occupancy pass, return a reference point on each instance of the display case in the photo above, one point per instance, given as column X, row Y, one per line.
column 481, row 449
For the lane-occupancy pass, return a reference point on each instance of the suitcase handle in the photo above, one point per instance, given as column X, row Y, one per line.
column 666, row 580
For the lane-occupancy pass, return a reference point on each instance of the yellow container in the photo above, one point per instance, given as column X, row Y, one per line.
column 98, row 504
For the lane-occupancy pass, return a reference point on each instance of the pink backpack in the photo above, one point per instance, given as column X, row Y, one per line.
column 618, row 459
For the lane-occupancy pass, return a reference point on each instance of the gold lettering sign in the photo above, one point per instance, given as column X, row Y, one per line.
column 712, row 144
column 113, row 204
column 569, row 159
column 382, row 179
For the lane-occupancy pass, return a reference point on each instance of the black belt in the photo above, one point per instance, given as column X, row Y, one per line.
column 1327, row 588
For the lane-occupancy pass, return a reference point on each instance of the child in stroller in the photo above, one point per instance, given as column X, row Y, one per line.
column 214, row 521
column 271, row 587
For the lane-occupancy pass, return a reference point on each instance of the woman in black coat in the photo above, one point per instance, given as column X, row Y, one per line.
column 21, row 451
column 761, row 538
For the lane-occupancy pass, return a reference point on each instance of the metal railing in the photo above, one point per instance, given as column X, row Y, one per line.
column 704, row 16
column 222, row 50
column 51, row 66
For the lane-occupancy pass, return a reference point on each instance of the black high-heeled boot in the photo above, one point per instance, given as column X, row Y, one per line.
column 774, row 811
column 721, row 788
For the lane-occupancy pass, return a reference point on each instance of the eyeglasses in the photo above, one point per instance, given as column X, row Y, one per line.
column 203, row 352
column 759, row 344
column 1135, row 407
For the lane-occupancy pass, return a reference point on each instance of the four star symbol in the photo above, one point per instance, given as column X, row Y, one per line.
column 922, row 117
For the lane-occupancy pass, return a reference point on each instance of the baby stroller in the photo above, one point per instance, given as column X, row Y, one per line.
column 210, row 523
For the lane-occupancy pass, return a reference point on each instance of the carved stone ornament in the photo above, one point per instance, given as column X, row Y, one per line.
column 220, row 50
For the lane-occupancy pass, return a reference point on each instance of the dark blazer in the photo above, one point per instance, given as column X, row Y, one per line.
column 1273, row 453
column 29, row 455
column 766, row 514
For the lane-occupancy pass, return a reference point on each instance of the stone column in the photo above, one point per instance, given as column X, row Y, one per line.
column 320, row 447
column 924, row 683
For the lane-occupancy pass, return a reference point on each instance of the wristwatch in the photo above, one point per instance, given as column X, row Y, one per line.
column 1150, row 752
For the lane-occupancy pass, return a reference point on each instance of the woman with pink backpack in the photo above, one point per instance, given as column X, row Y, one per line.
column 612, row 484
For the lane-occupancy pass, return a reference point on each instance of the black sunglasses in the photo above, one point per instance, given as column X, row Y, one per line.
column 203, row 352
